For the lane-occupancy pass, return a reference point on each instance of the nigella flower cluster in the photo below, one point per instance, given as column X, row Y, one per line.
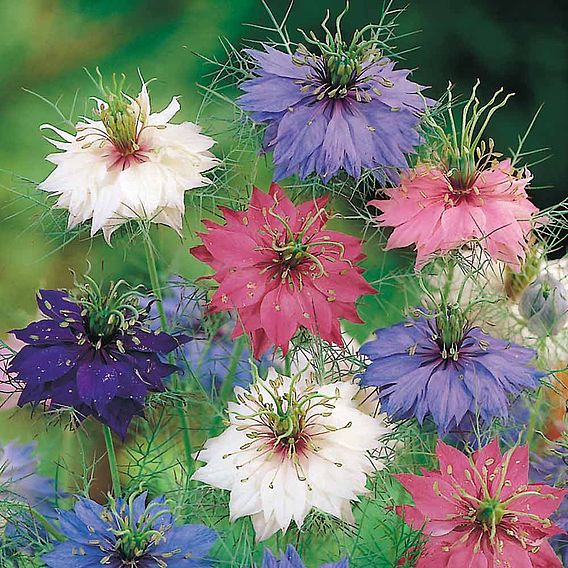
column 276, row 434
column 462, row 194
column 482, row 510
column 129, row 164
column 441, row 367
column 281, row 269
column 129, row 533
column 93, row 352
column 292, row 446
column 334, row 105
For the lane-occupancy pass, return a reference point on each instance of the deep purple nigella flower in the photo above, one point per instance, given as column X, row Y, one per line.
column 93, row 352
column 291, row 559
column 129, row 534
column 342, row 108
column 212, row 354
column 443, row 368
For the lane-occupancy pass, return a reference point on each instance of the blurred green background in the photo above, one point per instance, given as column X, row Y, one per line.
column 46, row 44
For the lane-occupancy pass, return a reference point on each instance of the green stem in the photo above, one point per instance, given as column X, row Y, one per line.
column 112, row 463
column 227, row 386
column 155, row 283
column 47, row 525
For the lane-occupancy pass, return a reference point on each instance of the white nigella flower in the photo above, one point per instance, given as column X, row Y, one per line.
column 292, row 445
column 129, row 164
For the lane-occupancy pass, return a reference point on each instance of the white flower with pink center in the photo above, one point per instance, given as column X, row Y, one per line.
column 129, row 164
column 292, row 446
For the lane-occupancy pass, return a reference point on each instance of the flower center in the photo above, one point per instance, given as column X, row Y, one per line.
column 105, row 314
column 289, row 431
column 343, row 68
column 293, row 253
column 132, row 544
column 452, row 325
column 490, row 513
column 121, row 123
column 462, row 174
column 340, row 70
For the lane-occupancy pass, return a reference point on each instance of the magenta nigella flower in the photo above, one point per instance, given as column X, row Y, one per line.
column 291, row 559
column 281, row 270
column 345, row 107
column 481, row 511
column 445, row 369
column 129, row 534
column 93, row 352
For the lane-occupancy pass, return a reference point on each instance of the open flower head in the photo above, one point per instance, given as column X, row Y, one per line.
column 282, row 270
column 443, row 368
column 129, row 533
column 129, row 163
column 291, row 559
column 93, row 352
column 463, row 193
column 481, row 511
column 292, row 446
column 334, row 105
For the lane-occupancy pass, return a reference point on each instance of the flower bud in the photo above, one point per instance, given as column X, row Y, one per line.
column 544, row 304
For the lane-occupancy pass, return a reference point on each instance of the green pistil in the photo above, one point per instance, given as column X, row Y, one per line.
column 343, row 67
column 452, row 324
column 107, row 312
column 343, row 59
column 462, row 172
column 293, row 253
column 120, row 117
column 490, row 513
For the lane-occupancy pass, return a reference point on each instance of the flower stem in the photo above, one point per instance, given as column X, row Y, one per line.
column 227, row 386
column 47, row 525
column 112, row 463
column 155, row 283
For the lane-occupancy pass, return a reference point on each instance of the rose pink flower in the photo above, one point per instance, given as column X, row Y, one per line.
column 436, row 215
column 481, row 511
column 282, row 270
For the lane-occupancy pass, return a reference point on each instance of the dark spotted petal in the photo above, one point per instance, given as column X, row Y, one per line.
column 151, row 342
column 44, row 364
column 45, row 332
column 57, row 305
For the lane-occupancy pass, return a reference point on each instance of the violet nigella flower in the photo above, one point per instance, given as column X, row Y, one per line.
column 344, row 107
column 212, row 354
column 93, row 352
column 441, row 367
column 291, row 559
column 129, row 534
column 19, row 480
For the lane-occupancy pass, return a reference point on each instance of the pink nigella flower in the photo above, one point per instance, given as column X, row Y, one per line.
column 481, row 511
column 281, row 270
column 463, row 192
column 436, row 214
